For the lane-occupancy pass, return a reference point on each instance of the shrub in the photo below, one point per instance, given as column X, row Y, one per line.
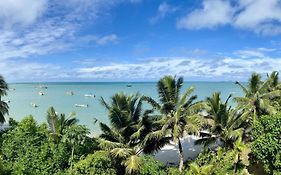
column 98, row 163
column 266, row 147
column 151, row 166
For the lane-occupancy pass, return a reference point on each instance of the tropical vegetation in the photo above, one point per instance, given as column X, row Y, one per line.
column 238, row 135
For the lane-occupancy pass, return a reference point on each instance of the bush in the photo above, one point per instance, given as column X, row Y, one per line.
column 151, row 166
column 98, row 163
column 220, row 162
column 266, row 147
column 27, row 150
column 173, row 171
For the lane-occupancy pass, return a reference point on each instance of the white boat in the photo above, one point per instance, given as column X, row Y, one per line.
column 89, row 95
column 81, row 105
column 42, row 87
column 34, row 105
column 7, row 101
column 70, row 93
column 41, row 93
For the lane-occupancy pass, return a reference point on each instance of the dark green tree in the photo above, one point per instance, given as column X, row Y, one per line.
column 28, row 150
column 4, row 108
column 224, row 124
column 98, row 163
column 266, row 146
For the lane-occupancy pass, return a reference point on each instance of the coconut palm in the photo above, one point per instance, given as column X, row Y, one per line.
column 4, row 108
column 274, row 80
column 168, row 89
column 58, row 122
column 224, row 124
column 124, row 113
column 179, row 113
column 127, row 129
column 257, row 98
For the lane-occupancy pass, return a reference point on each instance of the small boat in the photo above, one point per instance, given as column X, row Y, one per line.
column 70, row 93
column 42, row 87
column 89, row 95
column 34, row 105
column 81, row 105
column 129, row 85
column 41, row 93
column 7, row 101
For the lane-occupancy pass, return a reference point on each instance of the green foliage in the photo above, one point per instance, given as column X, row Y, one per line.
column 58, row 123
column 267, row 142
column 151, row 166
column 257, row 100
column 98, row 163
column 4, row 108
column 173, row 171
column 218, row 162
column 204, row 157
column 27, row 150
column 223, row 123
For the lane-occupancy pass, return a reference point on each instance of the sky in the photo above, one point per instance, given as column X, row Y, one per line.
column 138, row 40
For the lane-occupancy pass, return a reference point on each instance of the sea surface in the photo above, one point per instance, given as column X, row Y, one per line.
column 21, row 95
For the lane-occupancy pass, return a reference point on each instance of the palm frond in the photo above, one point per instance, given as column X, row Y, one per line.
column 122, row 152
column 109, row 145
column 242, row 87
column 185, row 95
column 133, row 164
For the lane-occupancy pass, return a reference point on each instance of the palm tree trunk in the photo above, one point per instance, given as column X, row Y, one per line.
column 72, row 155
column 181, row 155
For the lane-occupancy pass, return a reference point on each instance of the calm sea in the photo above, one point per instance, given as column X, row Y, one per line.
column 56, row 95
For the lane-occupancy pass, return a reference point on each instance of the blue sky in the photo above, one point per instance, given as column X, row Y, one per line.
column 138, row 40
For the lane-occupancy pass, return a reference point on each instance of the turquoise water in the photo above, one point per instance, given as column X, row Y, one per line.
column 56, row 95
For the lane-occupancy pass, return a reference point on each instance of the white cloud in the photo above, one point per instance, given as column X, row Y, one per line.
column 213, row 13
column 260, row 16
column 37, row 41
column 199, row 69
column 20, row 70
column 41, row 27
column 107, row 39
column 254, row 53
column 163, row 10
column 100, row 40
column 249, row 54
column 23, row 12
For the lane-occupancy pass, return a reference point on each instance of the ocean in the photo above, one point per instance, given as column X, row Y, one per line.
column 22, row 95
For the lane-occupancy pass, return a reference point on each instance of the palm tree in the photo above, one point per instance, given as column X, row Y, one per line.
column 257, row 98
column 223, row 123
column 179, row 113
column 4, row 108
column 274, row 80
column 128, row 128
column 124, row 113
column 58, row 122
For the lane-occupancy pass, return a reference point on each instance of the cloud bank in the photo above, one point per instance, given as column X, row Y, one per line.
column 260, row 16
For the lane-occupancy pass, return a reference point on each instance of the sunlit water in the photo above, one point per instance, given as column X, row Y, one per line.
column 56, row 95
